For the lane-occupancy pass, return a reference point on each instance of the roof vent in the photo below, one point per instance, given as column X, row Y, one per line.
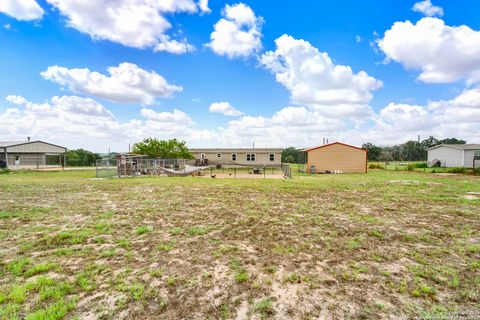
column 28, row 138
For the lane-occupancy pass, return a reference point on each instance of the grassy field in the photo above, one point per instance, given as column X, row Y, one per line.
column 382, row 245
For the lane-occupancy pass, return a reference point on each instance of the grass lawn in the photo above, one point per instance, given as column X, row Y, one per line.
column 382, row 245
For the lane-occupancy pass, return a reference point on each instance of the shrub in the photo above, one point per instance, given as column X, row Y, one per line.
column 411, row 167
column 142, row 230
column 421, row 165
column 375, row 166
column 456, row 170
column 241, row 276
column 263, row 306
column 5, row 171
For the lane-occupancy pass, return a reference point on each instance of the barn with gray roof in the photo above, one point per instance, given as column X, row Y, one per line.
column 31, row 154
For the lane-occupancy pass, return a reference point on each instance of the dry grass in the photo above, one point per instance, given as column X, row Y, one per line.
column 386, row 245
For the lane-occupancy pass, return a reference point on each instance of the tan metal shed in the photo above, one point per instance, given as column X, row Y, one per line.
column 336, row 157
column 31, row 154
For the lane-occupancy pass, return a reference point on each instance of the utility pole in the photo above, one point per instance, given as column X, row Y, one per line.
column 418, row 148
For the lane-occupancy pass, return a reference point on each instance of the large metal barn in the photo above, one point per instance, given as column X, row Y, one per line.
column 31, row 155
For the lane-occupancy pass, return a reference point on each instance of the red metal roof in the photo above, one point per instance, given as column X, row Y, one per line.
column 331, row 144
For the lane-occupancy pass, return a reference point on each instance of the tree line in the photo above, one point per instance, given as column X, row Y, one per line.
column 407, row 151
column 81, row 158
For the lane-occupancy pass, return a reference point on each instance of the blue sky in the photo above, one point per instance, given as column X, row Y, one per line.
column 227, row 82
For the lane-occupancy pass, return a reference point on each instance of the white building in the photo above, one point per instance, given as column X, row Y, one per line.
column 455, row 155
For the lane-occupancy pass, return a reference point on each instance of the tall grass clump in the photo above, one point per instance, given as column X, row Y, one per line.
column 375, row 166
column 421, row 165
column 456, row 170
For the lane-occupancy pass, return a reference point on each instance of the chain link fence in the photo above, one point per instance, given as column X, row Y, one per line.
column 106, row 168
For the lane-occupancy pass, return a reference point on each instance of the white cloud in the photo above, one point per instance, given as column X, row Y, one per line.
column 427, row 8
column 82, row 122
column 296, row 126
column 224, row 108
column 22, row 9
column 125, row 83
column 238, row 33
column 358, row 39
column 465, row 108
column 203, row 5
column 395, row 123
column 314, row 80
column 174, row 46
column 458, row 117
column 133, row 23
column 406, row 118
column 442, row 53
column 16, row 99
column 177, row 116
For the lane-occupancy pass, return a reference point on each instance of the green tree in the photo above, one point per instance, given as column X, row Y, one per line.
column 290, row 155
column 452, row 141
column 81, row 157
column 165, row 149
column 374, row 151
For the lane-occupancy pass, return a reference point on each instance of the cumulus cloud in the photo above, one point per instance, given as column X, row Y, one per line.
column 464, row 108
column 203, row 5
column 22, row 9
column 302, row 126
column 174, row 46
column 125, row 83
column 457, row 117
column 133, row 23
column 177, row 116
column 224, row 108
column 314, row 80
column 296, row 126
column 427, row 8
column 85, row 122
column 238, row 33
column 442, row 53
column 406, row 118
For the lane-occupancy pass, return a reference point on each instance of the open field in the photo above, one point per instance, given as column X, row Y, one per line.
column 385, row 245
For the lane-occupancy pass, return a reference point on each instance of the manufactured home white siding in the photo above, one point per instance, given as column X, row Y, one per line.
column 262, row 156
column 468, row 156
column 450, row 157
